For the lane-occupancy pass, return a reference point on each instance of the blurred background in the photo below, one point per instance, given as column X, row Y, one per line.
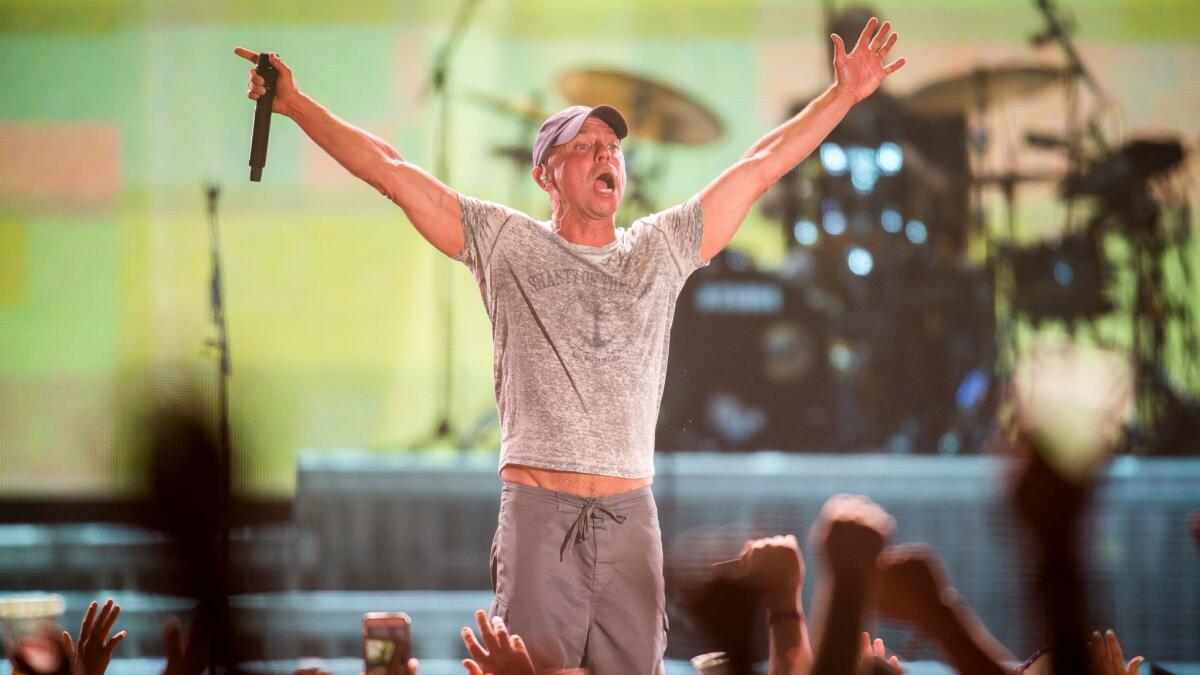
column 1008, row 186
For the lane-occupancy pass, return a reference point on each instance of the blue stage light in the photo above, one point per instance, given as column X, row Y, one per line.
column 949, row 443
column 834, row 222
column 916, row 232
column 890, row 158
column 864, row 170
column 1063, row 273
column 891, row 220
column 971, row 390
column 806, row 232
column 833, row 158
column 859, row 261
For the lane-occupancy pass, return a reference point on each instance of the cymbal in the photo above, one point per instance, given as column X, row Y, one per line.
column 983, row 87
column 527, row 109
column 656, row 111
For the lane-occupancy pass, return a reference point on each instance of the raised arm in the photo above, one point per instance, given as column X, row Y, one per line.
column 727, row 200
column 774, row 568
column 850, row 531
column 430, row 205
column 913, row 587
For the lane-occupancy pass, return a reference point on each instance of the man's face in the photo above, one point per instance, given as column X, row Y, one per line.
column 588, row 172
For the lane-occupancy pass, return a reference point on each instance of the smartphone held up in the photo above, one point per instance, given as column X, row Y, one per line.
column 386, row 643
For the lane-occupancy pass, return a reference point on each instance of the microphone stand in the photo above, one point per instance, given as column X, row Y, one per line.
column 1079, row 71
column 439, row 77
column 224, row 369
column 1059, row 33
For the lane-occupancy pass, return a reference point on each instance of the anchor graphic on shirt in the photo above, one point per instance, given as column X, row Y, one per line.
column 597, row 342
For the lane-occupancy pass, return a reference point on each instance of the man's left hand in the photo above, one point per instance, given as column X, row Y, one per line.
column 861, row 71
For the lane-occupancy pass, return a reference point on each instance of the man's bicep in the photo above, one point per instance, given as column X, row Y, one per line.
column 726, row 201
column 431, row 205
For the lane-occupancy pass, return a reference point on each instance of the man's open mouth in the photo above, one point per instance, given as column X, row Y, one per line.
column 606, row 182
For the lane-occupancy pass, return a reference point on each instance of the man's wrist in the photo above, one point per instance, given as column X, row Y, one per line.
column 297, row 106
column 782, row 603
column 843, row 93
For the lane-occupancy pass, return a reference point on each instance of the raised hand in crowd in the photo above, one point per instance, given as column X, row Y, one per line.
column 43, row 652
column 185, row 654
column 913, row 588
column 500, row 653
column 850, row 532
column 1069, row 406
column 1104, row 653
column 1107, row 656
column 774, row 568
column 871, row 652
column 94, row 648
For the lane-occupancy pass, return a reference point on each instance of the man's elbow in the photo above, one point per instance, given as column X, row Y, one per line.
column 762, row 171
column 387, row 178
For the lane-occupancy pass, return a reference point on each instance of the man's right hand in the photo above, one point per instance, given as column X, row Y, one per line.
column 286, row 92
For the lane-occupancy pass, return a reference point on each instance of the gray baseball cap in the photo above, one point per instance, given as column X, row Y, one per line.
column 565, row 125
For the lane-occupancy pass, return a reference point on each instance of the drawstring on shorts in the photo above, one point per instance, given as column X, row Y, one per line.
column 591, row 511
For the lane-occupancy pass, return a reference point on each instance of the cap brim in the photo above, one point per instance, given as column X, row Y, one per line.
column 613, row 118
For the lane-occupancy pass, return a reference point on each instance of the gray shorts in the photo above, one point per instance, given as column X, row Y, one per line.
column 580, row 580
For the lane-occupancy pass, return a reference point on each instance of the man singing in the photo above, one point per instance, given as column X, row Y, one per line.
column 581, row 316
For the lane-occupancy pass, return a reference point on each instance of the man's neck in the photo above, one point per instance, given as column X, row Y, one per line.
column 583, row 231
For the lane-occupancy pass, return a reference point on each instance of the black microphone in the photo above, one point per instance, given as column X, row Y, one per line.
column 262, row 117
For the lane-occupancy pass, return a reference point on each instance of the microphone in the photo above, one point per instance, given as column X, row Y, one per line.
column 262, row 117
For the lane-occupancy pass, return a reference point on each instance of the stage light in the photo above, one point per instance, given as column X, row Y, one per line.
column 971, row 390
column 949, row 443
column 806, row 232
column 737, row 297
column 841, row 357
column 890, row 158
column 834, row 222
column 833, row 158
column 864, row 170
column 859, row 261
column 916, row 232
column 891, row 220
column 1063, row 273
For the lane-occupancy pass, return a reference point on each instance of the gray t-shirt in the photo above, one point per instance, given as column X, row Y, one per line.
column 580, row 334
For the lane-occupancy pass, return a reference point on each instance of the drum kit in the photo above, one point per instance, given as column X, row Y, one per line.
column 1066, row 277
